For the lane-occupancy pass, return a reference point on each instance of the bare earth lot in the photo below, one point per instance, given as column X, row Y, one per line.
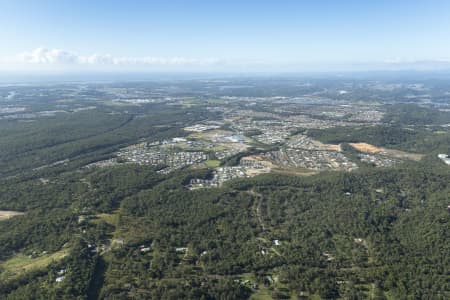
column 366, row 148
column 371, row 149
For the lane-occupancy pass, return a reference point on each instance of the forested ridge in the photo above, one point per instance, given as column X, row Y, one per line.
column 378, row 233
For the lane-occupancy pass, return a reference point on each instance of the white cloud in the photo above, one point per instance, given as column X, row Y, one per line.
column 43, row 56
column 46, row 56
column 43, row 59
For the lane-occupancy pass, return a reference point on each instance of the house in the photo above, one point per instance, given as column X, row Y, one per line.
column 145, row 249
column 358, row 241
column 181, row 249
column 445, row 158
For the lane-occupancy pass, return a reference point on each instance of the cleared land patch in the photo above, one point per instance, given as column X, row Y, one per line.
column 212, row 163
column 6, row 214
column 21, row 263
column 367, row 148
column 371, row 149
column 111, row 219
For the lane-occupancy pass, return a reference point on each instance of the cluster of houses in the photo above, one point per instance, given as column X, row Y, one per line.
column 378, row 160
column 301, row 141
column 160, row 156
column 201, row 127
column 228, row 139
column 251, row 162
column 272, row 136
column 311, row 159
column 248, row 166
column 219, row 176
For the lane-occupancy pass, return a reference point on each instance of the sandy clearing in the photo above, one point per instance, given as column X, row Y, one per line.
column 332, row 147
column 367, row 148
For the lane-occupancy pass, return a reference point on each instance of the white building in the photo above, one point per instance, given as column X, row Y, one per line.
column 445, row 158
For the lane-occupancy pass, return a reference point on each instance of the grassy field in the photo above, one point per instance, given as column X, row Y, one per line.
column 264, row 292
column 261, row 294
column 111, row 219
column 191, row 102
column 212, row 163
column 118, row 104
column 20, row 264
column 294, row 171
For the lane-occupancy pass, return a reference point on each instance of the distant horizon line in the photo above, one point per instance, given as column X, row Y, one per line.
column 67, row 76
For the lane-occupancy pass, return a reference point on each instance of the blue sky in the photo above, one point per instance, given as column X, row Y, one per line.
column 223, row 35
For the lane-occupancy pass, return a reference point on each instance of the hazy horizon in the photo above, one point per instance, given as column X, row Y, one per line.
column 229, row 37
